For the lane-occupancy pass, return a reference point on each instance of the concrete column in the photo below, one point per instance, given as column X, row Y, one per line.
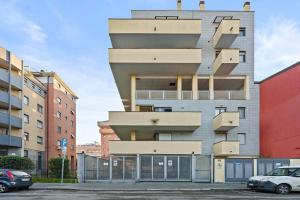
column 133, row 136
column 193, row 167
column 195, row 87
column 211, row 87
column 247, row 88
column 133, row 91
column 179, row 87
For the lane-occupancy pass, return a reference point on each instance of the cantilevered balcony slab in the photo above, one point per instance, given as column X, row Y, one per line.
column 155, row 147
column 226, row 121
column 225, row 62
column 226, row 148
column 5, row 57
column 154, row 33
column 146, row 124
column 151, row 62
column 226, row 33
column 16, row 102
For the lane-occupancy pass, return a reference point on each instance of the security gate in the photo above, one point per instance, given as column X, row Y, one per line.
column 264, row 166
column 238, row 170
column 165, row 168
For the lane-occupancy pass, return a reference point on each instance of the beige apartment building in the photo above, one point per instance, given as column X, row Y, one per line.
column 11, row 95
column 34, row 120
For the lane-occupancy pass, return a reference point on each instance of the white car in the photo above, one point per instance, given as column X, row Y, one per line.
column 281, row 180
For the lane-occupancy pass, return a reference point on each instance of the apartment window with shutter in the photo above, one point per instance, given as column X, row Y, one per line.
column 242, row 111
column 242, row 31
column 242, row 56
column 40, row 108
column 26, row 100
column 26, row 136
column 242, row 138
column 26, row 118
column 40, row 124
column 39, row 140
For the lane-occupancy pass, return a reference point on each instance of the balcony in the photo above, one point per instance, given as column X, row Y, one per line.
column 229, row 95
column 203, row 95
column 226, row 121
column 153, row 33
column 16, row 63
column 155, row 147
column 10, row 141
column 16, row 81
column 226, row 148
column 16, row 122
column 156, row 94
column 226, row 33
column 146, row 124
column 16, row 103
column 226, row 61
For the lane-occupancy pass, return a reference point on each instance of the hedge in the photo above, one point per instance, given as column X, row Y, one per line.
column 16, row 162
column 55, row 167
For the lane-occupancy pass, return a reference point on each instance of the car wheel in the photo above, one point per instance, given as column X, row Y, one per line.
column 3, row 188
column 283, row 189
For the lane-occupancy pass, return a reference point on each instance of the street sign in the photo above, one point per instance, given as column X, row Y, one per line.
column 64, row 143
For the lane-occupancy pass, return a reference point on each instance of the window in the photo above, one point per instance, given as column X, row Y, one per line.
column 26, row 136
column 72, row 123
column 26, row 153
column 26, row 119
column 26, row 100
column 58, row 100
column 40, row 108
column 297, row 174
column 32, row 85
column 219, row 110
column 66, row 118
column 242, row 138
column 242, row 56
column 242, row 111
column 40, row 124
column 59, row 129
column 162, row 109
column 58, row 114
column 66, row 105
column 72, row 112
column 242, row 31
column 39, row 140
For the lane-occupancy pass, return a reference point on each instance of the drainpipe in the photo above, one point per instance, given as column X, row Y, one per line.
column 9, row 97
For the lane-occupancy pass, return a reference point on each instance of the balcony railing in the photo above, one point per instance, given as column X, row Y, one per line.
column 203, row 95
column 229, row 95
column 156, row 94
column 187, row 95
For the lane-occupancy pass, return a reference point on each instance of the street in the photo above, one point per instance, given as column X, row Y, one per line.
column 93, row 195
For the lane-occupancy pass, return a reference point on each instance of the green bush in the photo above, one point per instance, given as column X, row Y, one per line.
column 55, row 167
column 16, row 162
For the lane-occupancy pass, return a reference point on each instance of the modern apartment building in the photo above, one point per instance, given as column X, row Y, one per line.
column 186, row 79
column 279, row 114
column 11, row 95
column 34, row 120
column 107, row 134
column 61, row 116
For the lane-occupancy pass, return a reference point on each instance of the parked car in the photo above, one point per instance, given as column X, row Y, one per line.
column 281, row 180
column 14, row 179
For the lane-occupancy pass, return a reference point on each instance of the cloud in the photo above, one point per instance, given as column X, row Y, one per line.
column 12, row 18
column 277, row 46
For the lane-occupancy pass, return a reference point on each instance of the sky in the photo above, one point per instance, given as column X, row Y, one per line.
column 71, row 38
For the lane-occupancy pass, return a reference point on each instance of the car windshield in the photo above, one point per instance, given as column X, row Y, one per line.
column 282, row 172
column 19, row 173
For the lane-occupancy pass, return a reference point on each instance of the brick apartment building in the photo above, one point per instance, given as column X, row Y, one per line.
column 93, row 149
column 280, row 113
column 61, row 116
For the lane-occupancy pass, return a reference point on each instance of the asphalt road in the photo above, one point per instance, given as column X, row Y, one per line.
column 90, row 195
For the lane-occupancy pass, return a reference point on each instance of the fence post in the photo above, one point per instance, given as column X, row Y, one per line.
column 137, row 167
column 81, row 167
column 97, row 165
column 110, row 167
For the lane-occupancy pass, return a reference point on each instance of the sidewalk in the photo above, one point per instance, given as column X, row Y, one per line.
column 146, row 186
